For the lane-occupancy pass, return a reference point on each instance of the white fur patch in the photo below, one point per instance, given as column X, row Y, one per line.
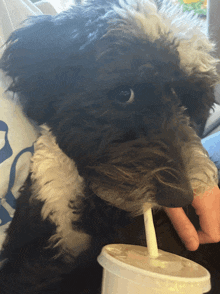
column 201, row 171
column 56, row 182
column 142, row 18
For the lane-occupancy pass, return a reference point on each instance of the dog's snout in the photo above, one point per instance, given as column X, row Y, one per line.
column 176, row 191
column 164, row 198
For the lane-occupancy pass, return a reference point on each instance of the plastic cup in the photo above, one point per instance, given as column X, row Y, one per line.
column 128, row 269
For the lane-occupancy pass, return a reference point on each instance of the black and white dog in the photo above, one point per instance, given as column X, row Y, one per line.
column 123, row 89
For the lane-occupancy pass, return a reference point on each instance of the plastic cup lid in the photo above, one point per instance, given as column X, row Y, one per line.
column 168, row 270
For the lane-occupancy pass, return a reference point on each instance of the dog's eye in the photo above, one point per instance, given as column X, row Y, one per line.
column 126, row 96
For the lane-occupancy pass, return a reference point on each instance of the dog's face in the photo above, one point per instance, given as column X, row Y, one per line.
column 120, row 87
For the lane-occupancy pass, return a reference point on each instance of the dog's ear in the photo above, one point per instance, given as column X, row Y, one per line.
column 44, row 61
column 25, row 62
column 197, row 95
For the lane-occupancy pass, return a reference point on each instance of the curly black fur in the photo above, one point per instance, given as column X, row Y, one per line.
column 123, row 101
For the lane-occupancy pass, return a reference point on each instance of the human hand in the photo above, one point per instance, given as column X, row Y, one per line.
column 207, row 207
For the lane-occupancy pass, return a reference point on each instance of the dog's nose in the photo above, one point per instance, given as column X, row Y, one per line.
column 171, row 199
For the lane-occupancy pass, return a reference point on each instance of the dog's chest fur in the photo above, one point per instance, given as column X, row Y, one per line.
column 57, row 184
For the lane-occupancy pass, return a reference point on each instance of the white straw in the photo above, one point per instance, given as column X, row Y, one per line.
column 150, row 232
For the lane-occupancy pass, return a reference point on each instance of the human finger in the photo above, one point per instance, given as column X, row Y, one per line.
column 183, row 227
column 207, row 207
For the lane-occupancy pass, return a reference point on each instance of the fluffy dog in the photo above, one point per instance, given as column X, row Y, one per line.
column 123, row 89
